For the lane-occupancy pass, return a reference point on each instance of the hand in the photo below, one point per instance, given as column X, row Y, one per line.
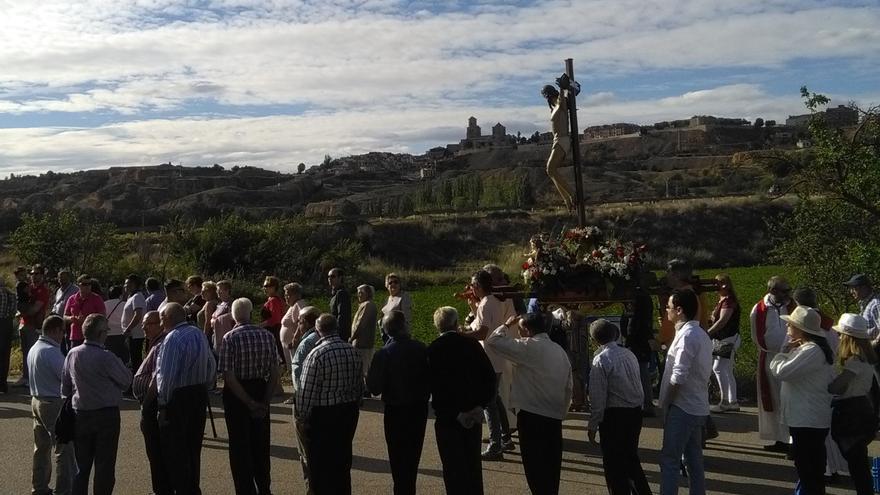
column 591, row 435
column 465, row 419
column 510, row 321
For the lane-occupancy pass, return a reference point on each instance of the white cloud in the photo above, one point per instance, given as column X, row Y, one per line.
column 281, row 142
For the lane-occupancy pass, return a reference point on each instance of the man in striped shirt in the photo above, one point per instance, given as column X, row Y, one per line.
column 249, row 362
column 185, row 368
column 327, row 408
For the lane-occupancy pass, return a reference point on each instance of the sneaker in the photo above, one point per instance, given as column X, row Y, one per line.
column 492, row 455
column 508, row 446
column 716, row 408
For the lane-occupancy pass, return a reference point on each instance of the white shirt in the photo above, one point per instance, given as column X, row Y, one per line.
column 290, row 321
column 614, row 382
column 113, row 309
column 863, row 378
column 490, row 314
column 688, row 365
column 402, row 302
column 804, row 399
column 135, row 302
column 542, row 382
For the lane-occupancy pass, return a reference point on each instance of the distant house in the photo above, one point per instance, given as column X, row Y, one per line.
column 840, row 116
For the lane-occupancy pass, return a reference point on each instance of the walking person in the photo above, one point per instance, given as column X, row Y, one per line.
column 724, row 333
column 853, row 417
column 94, row 379
column 616, row 398
column 185, row 370
column 249, row 362
column 45, row 364
column 804, row 369
column 399, row 373
column 144, row 389
column 327, row 408
column 541, row 395
column 684, row 397
column 462, row 383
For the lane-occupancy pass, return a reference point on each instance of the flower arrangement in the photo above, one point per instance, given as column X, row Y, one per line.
column 580, row 260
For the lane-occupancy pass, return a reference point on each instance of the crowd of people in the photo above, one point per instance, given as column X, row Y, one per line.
column 170, row 347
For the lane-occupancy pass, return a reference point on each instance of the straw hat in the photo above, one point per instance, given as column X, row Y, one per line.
column 806, row 319
column 854, row 325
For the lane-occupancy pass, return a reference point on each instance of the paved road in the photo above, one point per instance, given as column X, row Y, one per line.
column 735, row 462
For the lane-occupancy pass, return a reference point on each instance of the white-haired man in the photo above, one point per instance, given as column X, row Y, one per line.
column 249, row 362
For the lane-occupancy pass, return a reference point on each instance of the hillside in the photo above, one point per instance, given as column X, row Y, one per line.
column 695, row 162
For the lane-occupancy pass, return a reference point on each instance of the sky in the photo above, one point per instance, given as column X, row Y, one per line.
column 97, row 83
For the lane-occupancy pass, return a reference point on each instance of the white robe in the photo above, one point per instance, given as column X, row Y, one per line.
column 770, row 426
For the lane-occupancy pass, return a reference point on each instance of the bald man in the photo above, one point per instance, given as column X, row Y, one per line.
column 146, row 393
column 185, row 368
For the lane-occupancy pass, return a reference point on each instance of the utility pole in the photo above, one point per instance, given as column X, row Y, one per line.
column 575, row 134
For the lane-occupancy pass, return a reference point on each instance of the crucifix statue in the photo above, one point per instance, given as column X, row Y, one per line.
column 563, row 116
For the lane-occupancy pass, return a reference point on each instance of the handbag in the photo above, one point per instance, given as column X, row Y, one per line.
column 65, row 423
column 722, row 349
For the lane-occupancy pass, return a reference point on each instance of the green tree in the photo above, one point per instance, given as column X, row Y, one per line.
column 67, row 239
column 835, row 229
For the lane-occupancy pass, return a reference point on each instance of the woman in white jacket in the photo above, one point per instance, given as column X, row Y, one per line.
column 804, row 369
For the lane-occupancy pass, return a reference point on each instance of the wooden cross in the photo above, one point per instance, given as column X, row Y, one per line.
column 574, row 134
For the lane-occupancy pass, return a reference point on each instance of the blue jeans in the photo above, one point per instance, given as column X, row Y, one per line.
column 496, row 420
column 682, row 435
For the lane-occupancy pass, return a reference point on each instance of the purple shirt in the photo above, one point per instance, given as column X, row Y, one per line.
column 94, row 377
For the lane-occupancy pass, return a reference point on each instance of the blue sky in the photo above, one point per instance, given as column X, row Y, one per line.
column 98, row 83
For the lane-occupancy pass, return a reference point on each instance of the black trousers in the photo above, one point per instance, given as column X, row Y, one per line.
column 860, row 468
column 6, row 327
column 181, row 429
column 135, row 353
column 808, row 450
column 96, row 442
column 619, row 438
column 153, row 446
column 405, row 436
column 540, row 439
column 248, row 441
column 330, row 432
column 459, row 449
column 116, row 345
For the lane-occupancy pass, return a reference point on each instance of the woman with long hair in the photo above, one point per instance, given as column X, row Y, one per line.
column 725, row 341
column 804, row 370
column 853, row 418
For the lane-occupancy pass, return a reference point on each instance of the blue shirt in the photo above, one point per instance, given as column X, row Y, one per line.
column 308, row 342
column 154, row 300
column 45, row 363
column 399, row 372
column 184, row 359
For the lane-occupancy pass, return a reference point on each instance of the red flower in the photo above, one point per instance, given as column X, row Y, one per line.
column 525, row 266
column 597, row 253
column 642, row 248
column 620, row 251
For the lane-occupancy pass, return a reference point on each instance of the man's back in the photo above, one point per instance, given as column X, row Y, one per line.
column 400, row 372
column 460, row 374
column 94, row 377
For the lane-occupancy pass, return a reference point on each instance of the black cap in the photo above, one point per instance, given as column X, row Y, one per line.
column 858, row 280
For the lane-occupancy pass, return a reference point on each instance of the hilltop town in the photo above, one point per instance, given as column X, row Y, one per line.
column 623, row 162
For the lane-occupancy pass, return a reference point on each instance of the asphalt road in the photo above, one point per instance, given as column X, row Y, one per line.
column 735, row 461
